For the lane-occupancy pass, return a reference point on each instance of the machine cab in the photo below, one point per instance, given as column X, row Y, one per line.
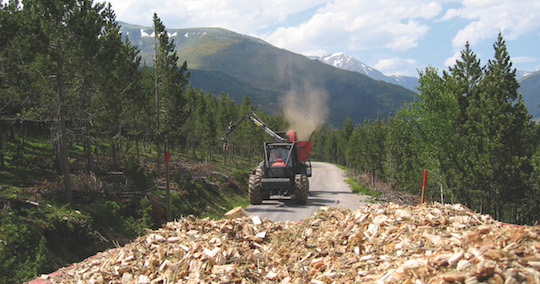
column 280, row 159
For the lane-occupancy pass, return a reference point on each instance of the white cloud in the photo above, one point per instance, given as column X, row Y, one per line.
column 488, row 17
column 359, row 25
column 370, row 29
column 451, row 61
column 524, row 59
column 243, row 16
column 397, row 66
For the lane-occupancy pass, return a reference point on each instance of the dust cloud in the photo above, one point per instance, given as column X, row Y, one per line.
column 305, row 108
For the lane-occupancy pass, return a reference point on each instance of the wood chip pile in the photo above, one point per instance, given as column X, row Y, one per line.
column 375, row 244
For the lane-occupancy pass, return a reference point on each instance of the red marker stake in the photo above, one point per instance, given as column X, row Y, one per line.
column 424, row 183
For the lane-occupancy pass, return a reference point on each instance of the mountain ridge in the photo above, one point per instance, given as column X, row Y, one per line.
column 529, row 88
column 529, row 80
column 344, row 61
column 224, row 61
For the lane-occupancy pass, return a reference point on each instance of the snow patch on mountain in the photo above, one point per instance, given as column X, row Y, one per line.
column 344, row 61
column 523, row 73
column 145, row 34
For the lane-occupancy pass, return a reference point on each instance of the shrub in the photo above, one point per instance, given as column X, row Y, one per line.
column 23, row 250
column 137, row 179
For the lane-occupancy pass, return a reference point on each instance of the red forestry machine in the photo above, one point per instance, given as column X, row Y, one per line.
column 285, row 168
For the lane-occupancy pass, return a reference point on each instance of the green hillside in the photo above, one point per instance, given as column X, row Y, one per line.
column 224, row 61
column 530, row 88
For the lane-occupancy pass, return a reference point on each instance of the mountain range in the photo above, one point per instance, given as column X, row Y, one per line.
column 529, row 80
column 334, row 86
column 530, row 89
column 344, row 61
column 223, row 61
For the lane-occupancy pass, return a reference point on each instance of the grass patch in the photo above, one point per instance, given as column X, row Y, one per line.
column 217, row 213
column 360, row 188
column 26, row 162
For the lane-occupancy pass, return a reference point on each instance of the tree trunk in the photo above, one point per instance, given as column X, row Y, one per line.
column 90, row 159
column 2, row 158
column 158, row 147
column 119, row 152
column 193, row 152
column 63, row 161
column 20, row 149
column 442, row 193
column 114, row 153
column 373, row 176
column 489, row 205
column 167, row 186
column 156, row 88
column 62, row 135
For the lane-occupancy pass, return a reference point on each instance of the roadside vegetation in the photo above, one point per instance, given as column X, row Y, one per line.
column 357, row 186
column 468, row 127
column 360, row 188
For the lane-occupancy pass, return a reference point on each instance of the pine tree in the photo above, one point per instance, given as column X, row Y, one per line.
column 464, row 82
column 208, row 119
column 174, row 102
column 169, row 85
column 119, row 78
column 247, row 136
column 318, row 141
column 226, row 114
column 63, row 36
column 144, row 104
column 466, row 76
column 529, row 211
column 330, row 150
column 348, row 128
column 9, row 25
column 354, row 151
column 499, row 126
column 374, row 147
column 190, row 128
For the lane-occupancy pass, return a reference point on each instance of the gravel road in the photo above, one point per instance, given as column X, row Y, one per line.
column 327, row 188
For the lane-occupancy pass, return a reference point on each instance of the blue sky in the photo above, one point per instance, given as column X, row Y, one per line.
column 397, row 37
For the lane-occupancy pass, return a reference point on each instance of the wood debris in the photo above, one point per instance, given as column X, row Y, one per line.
column 236, row 212
column 378, row 243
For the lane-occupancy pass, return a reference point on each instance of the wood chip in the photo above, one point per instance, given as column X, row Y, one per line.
column 236, row 212
column 428, row 243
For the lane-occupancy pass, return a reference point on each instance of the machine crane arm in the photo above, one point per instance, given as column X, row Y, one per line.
column 253, row 117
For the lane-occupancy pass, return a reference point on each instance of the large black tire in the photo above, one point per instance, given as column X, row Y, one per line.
column 301, row 190
column 306, row 183
column 255, row 191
